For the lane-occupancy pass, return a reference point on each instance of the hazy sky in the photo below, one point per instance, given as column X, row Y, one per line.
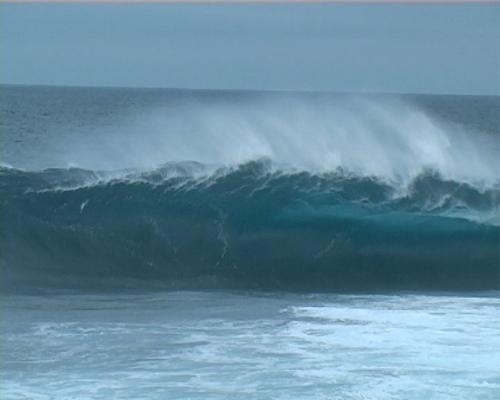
column 424, row 48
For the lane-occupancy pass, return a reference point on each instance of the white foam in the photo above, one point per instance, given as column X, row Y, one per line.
column 272, row 346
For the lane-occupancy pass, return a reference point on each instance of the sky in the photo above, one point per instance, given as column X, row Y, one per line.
column 395, row 48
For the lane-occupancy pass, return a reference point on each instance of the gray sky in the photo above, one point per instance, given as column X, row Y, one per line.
column 420, row 48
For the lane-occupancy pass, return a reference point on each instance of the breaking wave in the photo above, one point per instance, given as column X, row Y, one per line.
column 252, row 226
column 285, row 191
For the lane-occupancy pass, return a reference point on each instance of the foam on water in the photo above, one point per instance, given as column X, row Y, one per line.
column 243, row 346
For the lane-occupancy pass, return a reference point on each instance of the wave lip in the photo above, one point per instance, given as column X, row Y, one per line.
column 427, row 193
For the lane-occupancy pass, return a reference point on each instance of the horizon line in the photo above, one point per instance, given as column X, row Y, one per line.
column 277, row 91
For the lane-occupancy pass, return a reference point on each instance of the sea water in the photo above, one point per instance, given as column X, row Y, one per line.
column 213, row 244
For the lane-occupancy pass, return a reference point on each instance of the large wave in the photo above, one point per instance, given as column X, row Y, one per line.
column 342, row 193
column 250, row 227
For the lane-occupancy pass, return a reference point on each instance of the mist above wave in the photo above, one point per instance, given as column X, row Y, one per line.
column 380, row 137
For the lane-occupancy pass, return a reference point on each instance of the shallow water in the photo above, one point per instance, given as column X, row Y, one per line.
column 221, row 345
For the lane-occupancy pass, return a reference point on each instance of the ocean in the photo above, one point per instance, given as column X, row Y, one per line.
column 166, row 243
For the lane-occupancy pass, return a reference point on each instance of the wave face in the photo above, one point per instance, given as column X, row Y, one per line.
column 247, row 227
column 285, row 192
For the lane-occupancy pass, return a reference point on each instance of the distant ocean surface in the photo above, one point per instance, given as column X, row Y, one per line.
column 160, row 243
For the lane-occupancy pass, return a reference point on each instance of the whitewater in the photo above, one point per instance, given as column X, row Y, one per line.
column 225, row 244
